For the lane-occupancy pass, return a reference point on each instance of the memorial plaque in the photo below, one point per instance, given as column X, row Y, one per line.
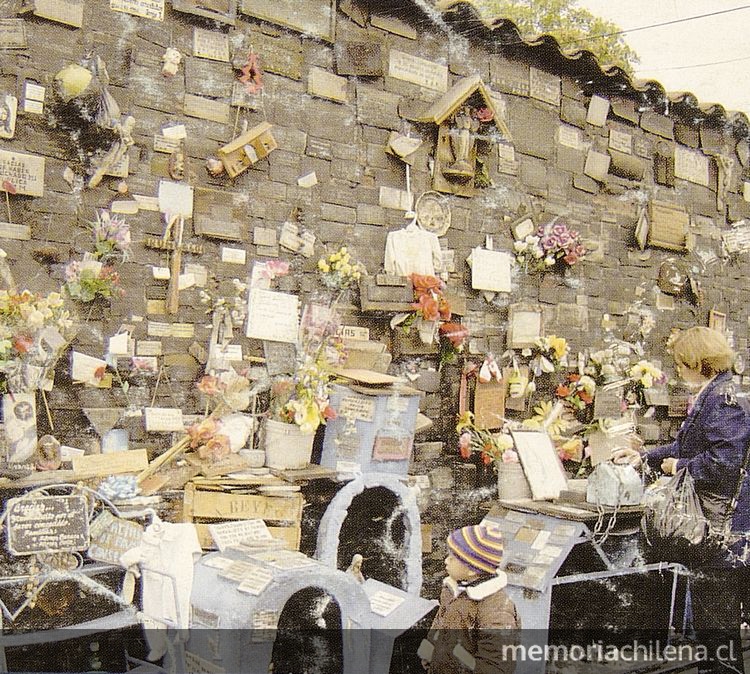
column 620, row 141
column 489, row 404
column 544, row 86
column 668, row 226
column 597, row 165
column 510, row 78
column 598, row 111
column 419, row 71
column 223, row 11
column 313, row 17
column 323, row 84
column 570, row 136
column 206, row 108
column 43, row 524
column 9, row 230
column 149, row 9
column 210, row 44
column 219, row 214
column 13, row 34
column 691, row 165
column 69, row 12
column 24, row 171
column 359, row 58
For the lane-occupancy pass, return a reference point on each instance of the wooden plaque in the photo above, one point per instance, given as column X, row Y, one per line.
column 489, row 404
column 668, row 226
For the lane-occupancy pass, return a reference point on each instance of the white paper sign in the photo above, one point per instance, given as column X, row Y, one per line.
column 175, row 198
column 255, row 581
column 272, row 315
column 383, row 603
column 231, row 533
column 163, row 419
column 490, row 270
column 233, row 255
column 85, row 368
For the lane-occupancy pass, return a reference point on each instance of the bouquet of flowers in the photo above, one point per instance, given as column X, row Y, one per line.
column 550, row 354
column 643, row 375
column 553, row 417
column 577, row 391
column 491, row 446
column 431, row 307
column 208, row 441
column 87, row 280
column 227, row 307
column 111, row 236
column 610, row 364
column 338, row 271
column 34, row 329
column 551, row 244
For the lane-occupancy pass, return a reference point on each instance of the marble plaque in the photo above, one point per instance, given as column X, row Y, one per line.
column 403, row 66
column 149, row 9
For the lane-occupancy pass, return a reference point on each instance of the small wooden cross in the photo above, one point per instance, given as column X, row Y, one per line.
column 173, row 242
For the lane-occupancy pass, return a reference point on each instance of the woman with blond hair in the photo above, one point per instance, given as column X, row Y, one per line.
column 711, row 446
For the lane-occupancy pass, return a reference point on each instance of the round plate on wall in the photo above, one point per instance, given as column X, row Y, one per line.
column 433, row 213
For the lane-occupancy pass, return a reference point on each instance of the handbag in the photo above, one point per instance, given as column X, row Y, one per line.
column 680, row 525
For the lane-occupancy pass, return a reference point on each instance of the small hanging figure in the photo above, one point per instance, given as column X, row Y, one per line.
column 252, row 75
column 355, row 568
column 171, row 60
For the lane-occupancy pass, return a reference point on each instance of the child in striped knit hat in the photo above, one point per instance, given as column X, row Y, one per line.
column 476, row 616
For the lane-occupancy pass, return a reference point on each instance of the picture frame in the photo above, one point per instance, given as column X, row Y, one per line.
column 525, row 325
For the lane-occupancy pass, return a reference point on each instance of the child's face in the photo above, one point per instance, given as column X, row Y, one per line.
column 458, row 570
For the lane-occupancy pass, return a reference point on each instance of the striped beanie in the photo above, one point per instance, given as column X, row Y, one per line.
column 477, row 547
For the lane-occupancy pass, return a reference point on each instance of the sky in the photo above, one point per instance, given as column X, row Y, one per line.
column 708, row 56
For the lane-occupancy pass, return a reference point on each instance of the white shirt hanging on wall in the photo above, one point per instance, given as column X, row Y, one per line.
column 412, row 251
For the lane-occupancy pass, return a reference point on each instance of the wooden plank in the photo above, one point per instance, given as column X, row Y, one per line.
column 113, row 463
column 240, row 507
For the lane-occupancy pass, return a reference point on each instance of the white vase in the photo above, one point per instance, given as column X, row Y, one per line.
column 287, row 447
column 512, row 484
column 19, row 419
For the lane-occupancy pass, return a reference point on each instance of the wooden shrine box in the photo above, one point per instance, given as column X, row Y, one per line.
column 252, row 146
column 209, row 501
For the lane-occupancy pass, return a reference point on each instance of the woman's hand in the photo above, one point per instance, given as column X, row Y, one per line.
column 669, row 466
column 629, row 455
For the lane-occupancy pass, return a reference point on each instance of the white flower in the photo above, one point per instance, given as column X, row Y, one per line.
column 549, row 261
column 520, row 246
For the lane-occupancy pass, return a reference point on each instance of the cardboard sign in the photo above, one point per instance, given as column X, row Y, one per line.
column 112, row 536
column 489, row 404
column 24, row 171
column 541, row 464
column 42, row 524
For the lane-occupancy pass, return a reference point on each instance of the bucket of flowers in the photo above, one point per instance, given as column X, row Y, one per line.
column 498, row 449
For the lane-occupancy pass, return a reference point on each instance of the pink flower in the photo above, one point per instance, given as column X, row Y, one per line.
column 464, row 444
column 510, row 456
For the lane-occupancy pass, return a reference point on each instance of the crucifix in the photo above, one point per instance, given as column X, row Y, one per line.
column 172, row 241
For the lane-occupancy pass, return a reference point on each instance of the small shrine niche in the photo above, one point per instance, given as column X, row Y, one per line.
column 468, row 128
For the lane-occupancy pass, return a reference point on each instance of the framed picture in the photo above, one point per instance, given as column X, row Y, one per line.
column 524, row 325
column 717, row 321
column 540, row 462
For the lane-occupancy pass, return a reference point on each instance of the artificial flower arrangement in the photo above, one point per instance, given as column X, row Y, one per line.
column 227, row 304
column 577, row 391
column 492, row 447
column 432, row 316
column 643, row 375
column 34, row 329
column 548, row 354
column 87, row 280
column 552, row 244
column 339, row 271
column 111, row 237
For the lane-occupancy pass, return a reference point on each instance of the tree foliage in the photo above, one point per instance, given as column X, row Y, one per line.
column 573, row 27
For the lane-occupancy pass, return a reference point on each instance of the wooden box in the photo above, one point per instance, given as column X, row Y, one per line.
column 252, row 146
column 207, row 502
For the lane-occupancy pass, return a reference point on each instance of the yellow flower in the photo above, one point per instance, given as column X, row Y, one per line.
column 558, row 344
column 346, row 269
column 322, row 264
column 465, row 420
column 343, row 250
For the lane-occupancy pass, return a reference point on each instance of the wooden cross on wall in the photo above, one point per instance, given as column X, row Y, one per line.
column 172, row 241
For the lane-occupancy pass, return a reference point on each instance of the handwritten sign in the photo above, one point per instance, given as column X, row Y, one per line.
column 13, row 34
column 163, row 419
column 357, row 407
column 272, row 315
column 112, row 536
column 47, row 524
column 232, row 533
column 209, row 44
column 383, row 603
column 24, row 171
column 149, row 9
column 422, row 72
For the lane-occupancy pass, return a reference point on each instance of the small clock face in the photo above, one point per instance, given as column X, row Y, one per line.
column 433, row 213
